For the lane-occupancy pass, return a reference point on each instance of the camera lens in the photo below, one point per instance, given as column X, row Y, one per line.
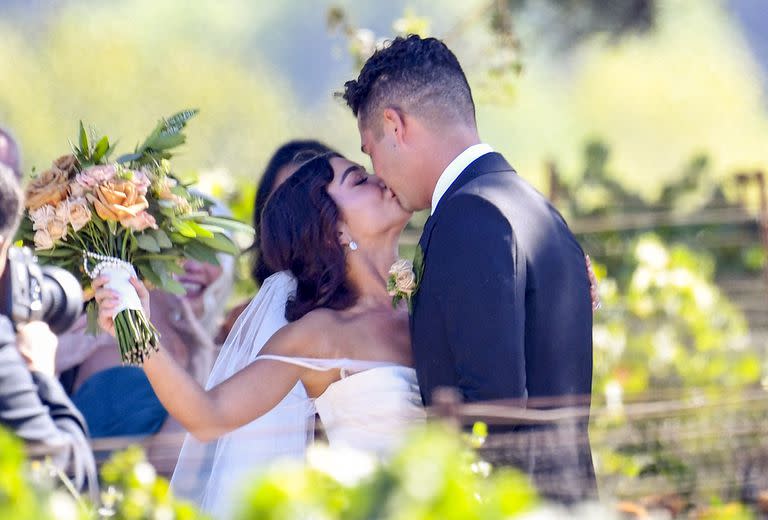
column 62, row 299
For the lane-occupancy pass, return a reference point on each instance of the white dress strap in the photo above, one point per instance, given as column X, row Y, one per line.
column 346, row 365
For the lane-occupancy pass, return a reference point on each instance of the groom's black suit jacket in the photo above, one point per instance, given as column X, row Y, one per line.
column 503, row 309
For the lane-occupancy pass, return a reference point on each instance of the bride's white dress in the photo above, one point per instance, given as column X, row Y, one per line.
column 370, row 408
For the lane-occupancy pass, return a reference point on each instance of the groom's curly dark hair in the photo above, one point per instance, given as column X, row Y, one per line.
column 416, row 75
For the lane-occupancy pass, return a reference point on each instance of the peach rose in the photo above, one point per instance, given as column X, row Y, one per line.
column 140, row 222
column 50, row 187
column 117, row 200
column 79, row 213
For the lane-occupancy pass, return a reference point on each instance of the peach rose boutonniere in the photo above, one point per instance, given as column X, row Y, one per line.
column 404, row 279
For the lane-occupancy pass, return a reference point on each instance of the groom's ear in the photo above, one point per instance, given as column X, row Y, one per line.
column 394, row 123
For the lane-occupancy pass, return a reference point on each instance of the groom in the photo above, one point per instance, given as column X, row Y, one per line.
column 503, row 309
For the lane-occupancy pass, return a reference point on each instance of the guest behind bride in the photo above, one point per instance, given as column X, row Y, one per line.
column 284, row 162
column 336, row 229
column 118, row 400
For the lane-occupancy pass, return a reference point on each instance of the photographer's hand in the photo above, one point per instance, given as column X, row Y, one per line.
column 37, row 345
column 107, row 300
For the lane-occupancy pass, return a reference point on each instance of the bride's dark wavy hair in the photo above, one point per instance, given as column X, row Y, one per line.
column 300, row 234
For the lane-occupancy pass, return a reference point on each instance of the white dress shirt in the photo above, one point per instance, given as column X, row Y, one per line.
column 454, row 169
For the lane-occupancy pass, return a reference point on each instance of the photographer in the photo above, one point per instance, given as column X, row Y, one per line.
column 32, row 402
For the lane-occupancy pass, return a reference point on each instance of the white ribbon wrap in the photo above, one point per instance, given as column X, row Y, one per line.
column 119, row 273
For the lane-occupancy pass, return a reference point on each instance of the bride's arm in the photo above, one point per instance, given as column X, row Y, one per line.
column 246, row 395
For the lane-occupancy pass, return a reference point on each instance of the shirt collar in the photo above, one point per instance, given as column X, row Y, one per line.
column 454, row 169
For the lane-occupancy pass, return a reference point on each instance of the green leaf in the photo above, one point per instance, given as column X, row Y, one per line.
column 183, row 228
column 147, row 242
column 178, row 238
column 101, row 149
column 148, row 274
column 165, row 141
column 201, row 253
column 221, row 243
column 129, row 157
column 174, row 267
column 55, row 252
column 228, row 223
column 162, row 239
column 173, row 286
column 83, row 140
column 193, row 215
column 179, row 120
column 200, row 231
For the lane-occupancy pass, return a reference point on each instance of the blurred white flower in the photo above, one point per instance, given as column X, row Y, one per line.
column 345, row 465
column 145, row 473
column 614, row 394
column 62, row 506
column 652, row 253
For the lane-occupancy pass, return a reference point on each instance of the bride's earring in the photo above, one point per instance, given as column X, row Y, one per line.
column 352, row 245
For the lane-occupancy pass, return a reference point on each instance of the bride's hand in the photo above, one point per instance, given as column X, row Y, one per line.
column 108, row 300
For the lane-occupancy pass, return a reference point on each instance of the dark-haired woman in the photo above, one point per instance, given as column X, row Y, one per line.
column 284, row 161
column 336, row 229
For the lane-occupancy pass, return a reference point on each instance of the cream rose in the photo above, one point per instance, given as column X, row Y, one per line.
column 41, row 216
column 404, row 277
column 43, row 240
column 57, row 226
column 79, row 213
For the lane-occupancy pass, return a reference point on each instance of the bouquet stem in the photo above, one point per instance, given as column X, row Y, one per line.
column 136, row 337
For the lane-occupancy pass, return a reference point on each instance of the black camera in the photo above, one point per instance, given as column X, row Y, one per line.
column 29, row 292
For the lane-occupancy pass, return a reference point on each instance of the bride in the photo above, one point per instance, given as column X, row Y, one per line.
column 335, row 229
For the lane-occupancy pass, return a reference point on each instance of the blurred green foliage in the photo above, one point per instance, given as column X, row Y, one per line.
column 664, row 325
column 133, row 491
column 434, row 475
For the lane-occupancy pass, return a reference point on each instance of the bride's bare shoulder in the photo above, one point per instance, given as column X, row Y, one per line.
column 309, row 336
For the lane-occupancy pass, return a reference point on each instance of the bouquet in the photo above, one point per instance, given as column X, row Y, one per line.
column 94, row 216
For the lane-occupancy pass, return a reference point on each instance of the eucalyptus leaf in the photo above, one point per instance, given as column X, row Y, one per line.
column 129, row 157
column 228, row 223
column 147, row 242
column 165, row 141
column 173, row 286
column 221, row 243
column 148, row 274
column 201, row 253
column 162, row 239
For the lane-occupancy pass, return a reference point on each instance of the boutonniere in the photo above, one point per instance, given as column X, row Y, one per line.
column 404, row 279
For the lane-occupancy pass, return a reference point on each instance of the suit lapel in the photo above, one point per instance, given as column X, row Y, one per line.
column 488, row 163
